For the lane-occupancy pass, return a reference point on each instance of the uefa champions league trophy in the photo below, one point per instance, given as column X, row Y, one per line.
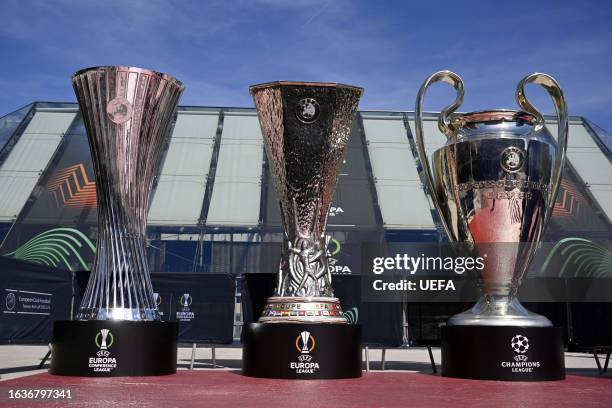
column 494, row 185
column 127, row 113
column 306, row 127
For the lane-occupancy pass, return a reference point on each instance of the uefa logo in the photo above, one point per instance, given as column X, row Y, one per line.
column 520, row 344
column 104, row 362
column 512, row 159
column 185, row 300
column 104, row 339
column 119, row 110
column 305, row 342
column 10, row 301
column 307, row 110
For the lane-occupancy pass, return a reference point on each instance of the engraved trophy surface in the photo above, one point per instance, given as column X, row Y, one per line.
column 127, row 113
column 306, row 127
column 494, row 185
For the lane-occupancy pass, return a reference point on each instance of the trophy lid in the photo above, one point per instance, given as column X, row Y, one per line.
column 139, row 70
column 497, row 115
column 274, row 84
column 497, row 122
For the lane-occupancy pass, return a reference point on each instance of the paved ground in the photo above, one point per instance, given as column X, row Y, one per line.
column 227, row 388
column 407, row 381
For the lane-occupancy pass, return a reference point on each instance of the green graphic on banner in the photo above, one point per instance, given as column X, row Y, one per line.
column 54, row 247
column 352, row 315
column 580, row 257
column 336, row 250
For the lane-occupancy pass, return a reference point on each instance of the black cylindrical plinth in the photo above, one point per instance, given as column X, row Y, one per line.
column 503, row 353
column 114, row 348
column 302, row 351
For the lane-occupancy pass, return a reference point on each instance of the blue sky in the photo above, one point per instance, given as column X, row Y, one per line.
column 219, row 48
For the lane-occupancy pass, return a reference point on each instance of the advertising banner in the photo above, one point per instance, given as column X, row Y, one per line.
column 202, row 303
column 32, row 297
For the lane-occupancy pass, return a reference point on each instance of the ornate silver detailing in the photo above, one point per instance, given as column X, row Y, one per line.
column 127, row 113
column 306, row 127
column 309, row 273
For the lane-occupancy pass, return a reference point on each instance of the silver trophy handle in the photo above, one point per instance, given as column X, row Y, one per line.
column 558, row 98
column 444, row 123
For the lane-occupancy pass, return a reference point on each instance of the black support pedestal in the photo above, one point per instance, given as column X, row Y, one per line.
column 278, row 350
column 503, row 353
column 130, row 348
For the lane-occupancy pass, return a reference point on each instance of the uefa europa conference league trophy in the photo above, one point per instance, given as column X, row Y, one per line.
column 302, row 332
column 494, row 185
column 117, row 332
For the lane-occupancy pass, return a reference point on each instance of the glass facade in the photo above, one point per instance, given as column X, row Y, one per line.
column 10, row 122
column 236, row 192
column 214, row 208
column 181, row 185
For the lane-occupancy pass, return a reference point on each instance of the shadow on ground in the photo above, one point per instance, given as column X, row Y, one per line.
column 12, row 370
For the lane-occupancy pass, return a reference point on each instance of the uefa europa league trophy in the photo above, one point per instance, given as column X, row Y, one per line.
column 302, row 332
column 127, row 112
column 494, row 185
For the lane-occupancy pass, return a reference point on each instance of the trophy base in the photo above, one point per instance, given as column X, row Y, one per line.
column 508, row 353
column 497, row 310
column 113, row 348
column 296, row 309
column 301, row 351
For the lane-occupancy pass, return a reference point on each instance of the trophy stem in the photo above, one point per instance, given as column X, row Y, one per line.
column 129, row 301
column 499, row 310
